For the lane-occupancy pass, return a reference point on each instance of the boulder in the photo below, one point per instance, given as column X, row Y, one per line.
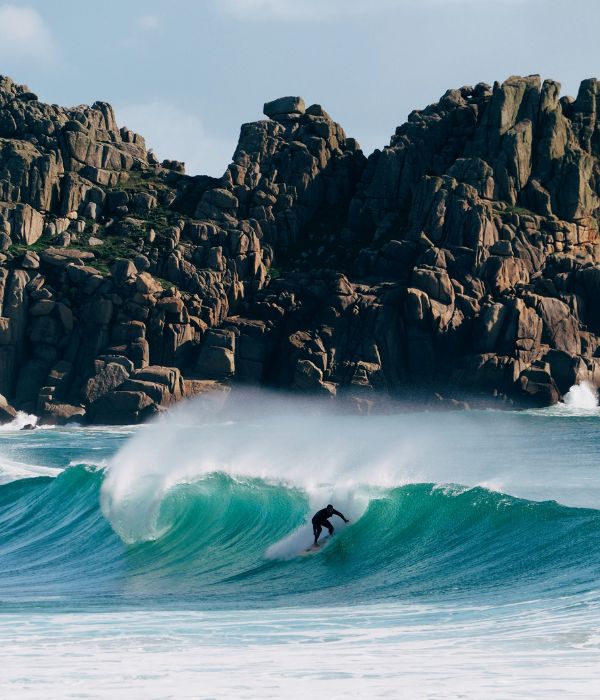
column 7, row 412
column 215, row 362
column 123, row 271
column 169, row 377
column 31, row 260
column 121, row 408
column 435, row 283
column 158, row 393
column 284, row 105
column 538, row 387
column 27, row 224
column 503, row 274
column 109, row 376
column 561, row 330
column 54, row 413
column 61, row 257
column 43, row 307
column 490, row 325
column 221, row 198
column 564, row 369
column 142, row 202
column 307, row 375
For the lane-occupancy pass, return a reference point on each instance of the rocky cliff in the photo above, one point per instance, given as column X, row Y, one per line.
column 463, row 258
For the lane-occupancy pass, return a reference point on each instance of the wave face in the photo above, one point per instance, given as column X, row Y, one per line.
column 241, row 541
column 211, row 506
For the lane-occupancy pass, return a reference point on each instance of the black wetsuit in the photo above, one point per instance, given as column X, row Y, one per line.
column 320, row 521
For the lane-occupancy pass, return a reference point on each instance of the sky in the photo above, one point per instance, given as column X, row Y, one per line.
column 187, row 73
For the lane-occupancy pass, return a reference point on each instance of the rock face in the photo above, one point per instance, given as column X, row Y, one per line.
column 7, row 412
column 463, row 257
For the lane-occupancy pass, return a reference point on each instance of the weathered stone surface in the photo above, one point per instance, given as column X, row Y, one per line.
column 107, row 379
column 561, row 330
column 61, row 257
column 123, row 270
column 31, row 260
column 435, row 283
column 54, row 413
column 538, row 386
column 27, row 224
column 504, row 273
column 307, row 375
column 7, row 412
column 215, row 362
column 121, row 408
column 169, row 377
column 465, row 254
column 284, row 105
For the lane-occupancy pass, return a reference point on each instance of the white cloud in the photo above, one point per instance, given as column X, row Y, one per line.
column 293, row 10
column 25, row 35
column 177, row 135
column 148, row 22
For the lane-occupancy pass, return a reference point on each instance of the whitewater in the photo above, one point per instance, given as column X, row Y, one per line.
column 164, row 561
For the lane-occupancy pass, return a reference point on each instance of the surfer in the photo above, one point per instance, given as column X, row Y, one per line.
column 320, row 520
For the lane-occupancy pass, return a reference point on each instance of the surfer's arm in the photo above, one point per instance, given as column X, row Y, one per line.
column 341, row 515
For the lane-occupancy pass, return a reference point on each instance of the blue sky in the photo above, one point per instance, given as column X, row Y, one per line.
column 187, row 73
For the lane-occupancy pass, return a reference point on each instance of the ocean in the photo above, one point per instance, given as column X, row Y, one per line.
column 169, row 560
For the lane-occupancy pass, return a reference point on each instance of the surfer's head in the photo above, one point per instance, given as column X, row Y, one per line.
column 329, row 508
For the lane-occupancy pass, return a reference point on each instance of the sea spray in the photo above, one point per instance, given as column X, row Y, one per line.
column 20, row 421
column 346, row 460
column 343, row 459
column 253, row 435
column 583, row 396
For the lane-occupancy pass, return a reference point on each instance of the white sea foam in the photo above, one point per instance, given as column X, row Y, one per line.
column 414, row 651
column 583, row 396
column 19, row 422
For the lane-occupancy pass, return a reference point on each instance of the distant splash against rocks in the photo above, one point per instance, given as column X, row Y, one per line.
column 462, row 259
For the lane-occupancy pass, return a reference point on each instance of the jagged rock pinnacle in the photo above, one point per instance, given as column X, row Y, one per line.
column 462, row 257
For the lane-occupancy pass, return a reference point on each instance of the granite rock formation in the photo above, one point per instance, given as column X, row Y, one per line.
column 462, row 259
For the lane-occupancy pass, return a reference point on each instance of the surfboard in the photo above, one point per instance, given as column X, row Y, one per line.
column 311, row 549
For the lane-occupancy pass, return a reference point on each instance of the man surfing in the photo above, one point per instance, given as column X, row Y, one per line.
column 320, row 520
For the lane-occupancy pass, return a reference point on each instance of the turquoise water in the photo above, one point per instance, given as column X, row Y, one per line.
column 470, row 567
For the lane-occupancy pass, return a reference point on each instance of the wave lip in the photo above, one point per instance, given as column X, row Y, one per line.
column 11, row 470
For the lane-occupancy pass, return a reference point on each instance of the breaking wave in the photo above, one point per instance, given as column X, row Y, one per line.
column 213, row 507
column 217, row 539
